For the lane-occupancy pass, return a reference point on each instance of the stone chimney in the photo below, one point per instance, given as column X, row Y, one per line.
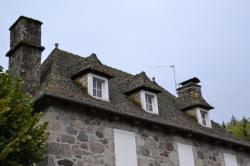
column 25, row 52
column 190, row 96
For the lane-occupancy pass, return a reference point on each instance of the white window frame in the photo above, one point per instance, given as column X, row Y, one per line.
column 231, row 157
column 121, row 148
column 199, row 117
column 105, row 88
column 184, row 156
column 154, row 101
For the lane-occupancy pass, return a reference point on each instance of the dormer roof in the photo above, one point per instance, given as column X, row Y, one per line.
column 187, row 102
column 138, row 82
column 91, row 65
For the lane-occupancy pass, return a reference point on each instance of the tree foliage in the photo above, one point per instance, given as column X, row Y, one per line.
column 239, row 128
column 22, row 136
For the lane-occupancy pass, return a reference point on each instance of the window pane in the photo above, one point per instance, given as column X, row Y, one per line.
column 94, row 83
column 148, row 99
column 149, row 107
column 204, row 122
column 149, row 102
column 97, row 87
column 204, row 117
column 99, row 93
column 94, row 92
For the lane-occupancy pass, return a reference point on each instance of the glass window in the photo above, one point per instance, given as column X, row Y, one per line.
column 204, row 118
column 149, row 102
column 97, row 87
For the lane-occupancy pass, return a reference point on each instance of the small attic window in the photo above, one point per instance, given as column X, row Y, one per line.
column 203, row 117
column 149, row 101
column 98, row 87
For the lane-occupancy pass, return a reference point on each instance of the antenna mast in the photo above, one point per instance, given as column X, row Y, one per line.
column 173, row 69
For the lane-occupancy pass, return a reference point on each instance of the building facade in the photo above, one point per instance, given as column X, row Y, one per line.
column 102, row 116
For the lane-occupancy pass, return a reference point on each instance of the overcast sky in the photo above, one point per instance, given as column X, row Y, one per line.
column 208, row 39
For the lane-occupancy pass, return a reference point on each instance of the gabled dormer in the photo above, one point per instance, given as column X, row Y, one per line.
column 93, row 78
column 143, row 92
column 192, row 102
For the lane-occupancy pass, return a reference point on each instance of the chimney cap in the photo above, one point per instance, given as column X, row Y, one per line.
column 25, row 18
column 192, row 80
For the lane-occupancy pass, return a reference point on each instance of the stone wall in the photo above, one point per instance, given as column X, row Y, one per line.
column 81, row 139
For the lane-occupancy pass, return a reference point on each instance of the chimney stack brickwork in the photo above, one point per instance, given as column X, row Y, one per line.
column 190, row 95
column 25, row 52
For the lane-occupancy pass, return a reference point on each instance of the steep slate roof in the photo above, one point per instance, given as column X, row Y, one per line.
column 138, row 82
column 56, row 77
column 91, row 64
column 187, row 102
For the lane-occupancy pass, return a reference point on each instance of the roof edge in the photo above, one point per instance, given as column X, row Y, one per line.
column 50, row 95
column 209, row 107
column 90, row 70
column 142, row 88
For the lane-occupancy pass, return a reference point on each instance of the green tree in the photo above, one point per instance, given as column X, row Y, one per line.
column 245, row 131
column 233, row 120
column 223, row 124
column 22, row 136
column 239, row 128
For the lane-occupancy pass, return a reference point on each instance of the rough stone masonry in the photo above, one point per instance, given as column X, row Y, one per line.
column 81, row 139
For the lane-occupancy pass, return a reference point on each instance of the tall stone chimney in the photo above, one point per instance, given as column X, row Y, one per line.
column 25, row 52
column 190, row 96
column 192, row 102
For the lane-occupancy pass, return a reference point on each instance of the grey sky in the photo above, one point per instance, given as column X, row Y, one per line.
column 205, row 38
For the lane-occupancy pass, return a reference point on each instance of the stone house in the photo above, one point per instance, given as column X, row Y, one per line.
column 102, row 116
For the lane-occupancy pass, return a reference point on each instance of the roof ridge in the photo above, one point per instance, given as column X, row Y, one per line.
column 129, row 74
column 92, row 58
column 67, row 52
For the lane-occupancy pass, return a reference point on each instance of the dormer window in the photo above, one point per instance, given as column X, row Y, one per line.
column 149, row 101
column 203, row 117
column 98, row 87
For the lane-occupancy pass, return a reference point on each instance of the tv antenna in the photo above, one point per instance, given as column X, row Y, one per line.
column 170, row 66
